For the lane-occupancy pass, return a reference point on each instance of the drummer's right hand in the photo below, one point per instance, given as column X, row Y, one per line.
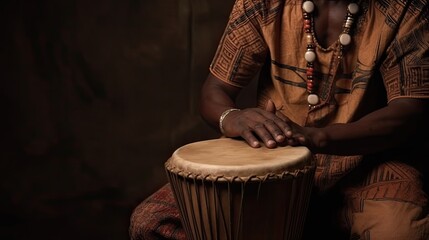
column 257, row 125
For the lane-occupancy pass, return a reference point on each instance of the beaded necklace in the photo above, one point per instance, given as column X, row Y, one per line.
column 310, row 56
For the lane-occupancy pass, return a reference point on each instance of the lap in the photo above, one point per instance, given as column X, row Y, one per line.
column 385, row 202
column 389, row 202
column 157, row 217
column 390, row 219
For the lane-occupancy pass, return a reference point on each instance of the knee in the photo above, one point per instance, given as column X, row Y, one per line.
column 394, row 220
column 138, row 223
column 156, row 218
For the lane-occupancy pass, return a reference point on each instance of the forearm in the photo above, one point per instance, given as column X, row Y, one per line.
column 398, row 123
column 215, row 99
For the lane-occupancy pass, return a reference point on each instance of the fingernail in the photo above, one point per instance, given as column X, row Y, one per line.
column 280, row 138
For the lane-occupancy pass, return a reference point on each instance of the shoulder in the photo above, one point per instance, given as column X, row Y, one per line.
column 397, row 11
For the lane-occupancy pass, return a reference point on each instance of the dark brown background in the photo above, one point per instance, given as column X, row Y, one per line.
column 95, row 96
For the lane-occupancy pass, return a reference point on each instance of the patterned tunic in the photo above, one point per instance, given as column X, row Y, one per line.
column 378, row 196
column 388, row 59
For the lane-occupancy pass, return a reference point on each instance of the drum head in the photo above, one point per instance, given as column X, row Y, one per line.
column 228, row 157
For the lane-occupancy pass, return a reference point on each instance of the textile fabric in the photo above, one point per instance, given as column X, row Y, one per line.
column 375, row 197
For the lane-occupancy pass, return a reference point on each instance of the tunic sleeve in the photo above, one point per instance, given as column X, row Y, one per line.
column 406, row 67
column 242, row 49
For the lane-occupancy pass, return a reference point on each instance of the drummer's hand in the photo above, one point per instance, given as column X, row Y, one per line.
column 254, row 124
column 295, row 134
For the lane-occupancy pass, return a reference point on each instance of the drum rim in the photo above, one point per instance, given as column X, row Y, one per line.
column 277, row 165
column 297, row 173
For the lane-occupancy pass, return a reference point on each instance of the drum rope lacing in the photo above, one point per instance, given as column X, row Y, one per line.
column 266, row 177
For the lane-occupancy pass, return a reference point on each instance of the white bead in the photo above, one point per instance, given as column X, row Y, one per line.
column 308, row 6
column 310, row 56
column 345, row 39
column 353, row 8
column 349, row 23
column 313, row 99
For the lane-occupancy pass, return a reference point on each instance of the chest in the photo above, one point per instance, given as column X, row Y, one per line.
column 329, row 20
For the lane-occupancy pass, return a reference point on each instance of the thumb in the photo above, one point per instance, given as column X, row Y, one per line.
column 270, row 107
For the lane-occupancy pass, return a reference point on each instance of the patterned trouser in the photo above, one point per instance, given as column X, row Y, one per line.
column 389, row 204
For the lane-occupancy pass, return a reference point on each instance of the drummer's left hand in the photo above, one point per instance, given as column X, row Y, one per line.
column 294, row 133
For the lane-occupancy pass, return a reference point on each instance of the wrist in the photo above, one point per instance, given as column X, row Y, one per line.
column 223, row 116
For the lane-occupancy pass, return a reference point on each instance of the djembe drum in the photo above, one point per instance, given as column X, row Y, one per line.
column 228, row 190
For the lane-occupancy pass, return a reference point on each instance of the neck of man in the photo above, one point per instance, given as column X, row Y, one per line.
column 331, row 2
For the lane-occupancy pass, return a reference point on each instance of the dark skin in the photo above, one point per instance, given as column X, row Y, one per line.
column 329, row 19
column 401, row 121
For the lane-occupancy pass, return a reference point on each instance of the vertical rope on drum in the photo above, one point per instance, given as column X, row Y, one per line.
column 300, row 183
column 259, row 187
column 201, row 229
column 304, row 185
column 309, row 182
column 306, row 180
column 215, row 208
column 184, row 208
column 222, row 211
column 194, row 221
column 260, row 181
column 240, row 216
column 180, row 201
column 292, row 209
column 229, row 231
column 286, row 215
column 209, row 215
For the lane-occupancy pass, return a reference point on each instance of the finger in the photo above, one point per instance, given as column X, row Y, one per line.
column 293, row 142
column 297, row 139
column 257, row 124
column 264, row 127
column 288, row 124
column 302, row 140
column 262, row 132
column 250, row 138
column 275, row 128
column 278, row 126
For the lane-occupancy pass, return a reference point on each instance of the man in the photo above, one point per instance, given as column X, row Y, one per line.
column 349, row 80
